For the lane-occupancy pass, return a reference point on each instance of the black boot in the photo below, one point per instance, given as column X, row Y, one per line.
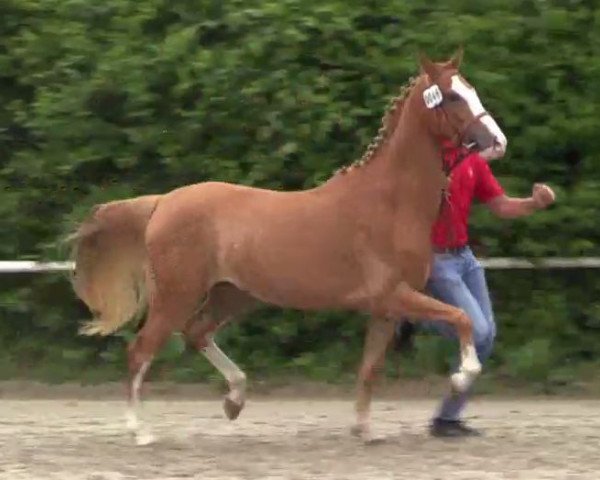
column 451, row 428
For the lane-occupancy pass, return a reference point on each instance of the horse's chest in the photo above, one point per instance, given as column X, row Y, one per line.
column 397, row 253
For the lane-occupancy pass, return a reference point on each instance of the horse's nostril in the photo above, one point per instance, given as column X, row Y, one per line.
column 499, row 145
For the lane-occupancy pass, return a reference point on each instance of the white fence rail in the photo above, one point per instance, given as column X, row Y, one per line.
column 31, row 266
column 494, row 263
column 501, row 263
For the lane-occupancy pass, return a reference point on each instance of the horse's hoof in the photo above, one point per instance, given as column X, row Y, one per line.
column 131, row 423
column 371, row 440
column 232, row 408
column 365, row 435
column 357, row 430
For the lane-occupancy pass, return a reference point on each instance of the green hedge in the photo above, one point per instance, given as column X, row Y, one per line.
column 105, row 100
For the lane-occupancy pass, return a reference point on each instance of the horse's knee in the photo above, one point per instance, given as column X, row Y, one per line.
column 139, row 352
column 464, row 324
column 367, row 373
column 196, row 334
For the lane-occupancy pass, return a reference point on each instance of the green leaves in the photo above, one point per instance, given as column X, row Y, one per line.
column 158, row 94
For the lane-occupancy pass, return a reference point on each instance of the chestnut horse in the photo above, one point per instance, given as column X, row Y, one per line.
column 199, row 255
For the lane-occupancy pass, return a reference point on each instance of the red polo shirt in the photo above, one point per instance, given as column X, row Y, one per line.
column 471, row 179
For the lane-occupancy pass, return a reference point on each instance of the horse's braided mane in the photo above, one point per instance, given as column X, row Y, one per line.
column 388, row 123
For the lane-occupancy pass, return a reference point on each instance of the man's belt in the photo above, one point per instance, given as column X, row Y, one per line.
column 452, row 250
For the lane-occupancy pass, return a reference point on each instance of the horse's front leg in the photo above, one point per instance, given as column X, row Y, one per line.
column 380, row 332
column 408, row 302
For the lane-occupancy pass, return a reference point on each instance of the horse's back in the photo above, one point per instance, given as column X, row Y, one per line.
column 220, row 189
column 210, row 214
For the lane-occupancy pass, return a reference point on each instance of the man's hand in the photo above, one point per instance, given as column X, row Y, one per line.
column 542, row 195
column 504, row 206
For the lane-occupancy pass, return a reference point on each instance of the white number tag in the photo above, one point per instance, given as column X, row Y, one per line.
column 433, row 96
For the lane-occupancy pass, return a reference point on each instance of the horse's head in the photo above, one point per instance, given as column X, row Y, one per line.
column 455, row 110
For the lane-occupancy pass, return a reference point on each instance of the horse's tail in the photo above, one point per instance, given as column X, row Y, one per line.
column 110, row 256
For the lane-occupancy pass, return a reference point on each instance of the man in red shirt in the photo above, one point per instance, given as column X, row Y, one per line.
column 457, row 277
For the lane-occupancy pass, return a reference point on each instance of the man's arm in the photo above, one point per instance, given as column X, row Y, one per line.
column 504, row 206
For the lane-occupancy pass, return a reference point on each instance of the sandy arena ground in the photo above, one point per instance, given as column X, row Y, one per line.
column 71, row 439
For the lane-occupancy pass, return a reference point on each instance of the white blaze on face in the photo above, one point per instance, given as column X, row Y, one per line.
column 470, row 96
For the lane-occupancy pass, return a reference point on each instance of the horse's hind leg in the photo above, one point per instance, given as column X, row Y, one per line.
column 380, row 332
column 224, row 302
column 141, row 352
column 171, row 304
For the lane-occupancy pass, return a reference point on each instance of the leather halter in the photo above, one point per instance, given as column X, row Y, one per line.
column 463, row 153
column 460, row 134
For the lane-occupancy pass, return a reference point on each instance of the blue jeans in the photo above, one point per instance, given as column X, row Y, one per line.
column 459, row 280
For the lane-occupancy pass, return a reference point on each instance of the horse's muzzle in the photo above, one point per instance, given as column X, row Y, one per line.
column 479, row 139
column 497, row 150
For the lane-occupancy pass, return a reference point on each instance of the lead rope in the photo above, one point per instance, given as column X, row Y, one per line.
column 446, row 203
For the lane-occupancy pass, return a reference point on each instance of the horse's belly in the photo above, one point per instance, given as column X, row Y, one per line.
column 303, row 269
column 298, row 281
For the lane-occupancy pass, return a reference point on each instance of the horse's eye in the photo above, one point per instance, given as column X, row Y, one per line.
column 453, row 97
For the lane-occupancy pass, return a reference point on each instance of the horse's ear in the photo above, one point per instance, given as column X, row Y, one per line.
column 456, row 59
column 427, row 66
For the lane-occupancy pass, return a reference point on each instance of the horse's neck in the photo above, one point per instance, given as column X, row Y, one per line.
column 409, row 167
column 405, row 174
column 415, row 162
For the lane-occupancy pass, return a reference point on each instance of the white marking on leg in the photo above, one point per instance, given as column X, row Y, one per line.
column 470, row 367
column 232, row 373
column 134, row 400
column 362, row 428
column 460, row 381
column 143, row 436
column 131, row 419
column 470, row 361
